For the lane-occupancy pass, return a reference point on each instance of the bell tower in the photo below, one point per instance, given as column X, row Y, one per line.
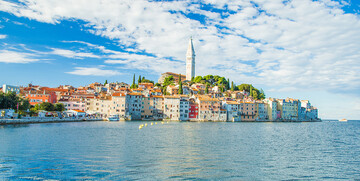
column 190, row 61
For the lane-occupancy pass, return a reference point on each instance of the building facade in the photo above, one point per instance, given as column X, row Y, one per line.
column 172, row 107
column 184, row 108
column 9, row 88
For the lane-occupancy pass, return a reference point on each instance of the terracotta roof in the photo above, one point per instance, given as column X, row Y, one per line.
column 118, row 94
column 54, row 89
column 138, row 89
column 231, row 102
column 156, row 96
column 207, row 98
column 146, row 83
column 172, row 97
column 135, row 94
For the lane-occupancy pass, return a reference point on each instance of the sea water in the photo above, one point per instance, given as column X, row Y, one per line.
column 180, row 151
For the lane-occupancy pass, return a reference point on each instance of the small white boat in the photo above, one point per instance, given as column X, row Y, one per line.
column 113, row 118
column 343, row 120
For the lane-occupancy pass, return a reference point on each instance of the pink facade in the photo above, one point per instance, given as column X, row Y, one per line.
column 74, row 104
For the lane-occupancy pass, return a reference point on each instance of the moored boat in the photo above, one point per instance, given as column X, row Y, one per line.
column 113, row 118
column 343, row 120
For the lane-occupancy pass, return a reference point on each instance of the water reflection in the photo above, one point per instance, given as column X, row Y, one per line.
column 8, row 126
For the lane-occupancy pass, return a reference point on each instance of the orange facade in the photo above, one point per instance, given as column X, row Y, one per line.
column 40, row 97
column 248, row 111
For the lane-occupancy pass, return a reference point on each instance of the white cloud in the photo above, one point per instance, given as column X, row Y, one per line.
column 93, row 71
column 7, row 56
column 299, row 43
column 72, row 54
column 3, row 36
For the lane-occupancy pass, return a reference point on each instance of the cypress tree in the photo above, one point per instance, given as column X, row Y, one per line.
column 105, row 82
column 207, row 89
column 232, row 86
column 228, row 85
column 139, row 80
column 133, row 84
column 180, row 85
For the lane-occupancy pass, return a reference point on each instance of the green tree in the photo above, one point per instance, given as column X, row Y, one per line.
column 9, row 100
column 255, row 94
column 59, row 107
column 235, row 87
column 180, row 86
column 24, row 104
column 221, row 88
column 251, row 92
column 245, row 87
column 262, row 94
column 35, row 108
column 157, row 85
column 164, row 90
column 232, row 86
column 105, row 82
column 47, row 106
column 198, row 79
column 139, row 80
column 143, row 80
column 207, row 89
column 169, row 81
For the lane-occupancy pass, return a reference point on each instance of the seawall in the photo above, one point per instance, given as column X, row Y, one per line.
column 46, row 120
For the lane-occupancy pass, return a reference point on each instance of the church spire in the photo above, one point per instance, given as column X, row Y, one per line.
column 190, row 50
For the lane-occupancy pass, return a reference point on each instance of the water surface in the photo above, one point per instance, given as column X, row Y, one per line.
column 180, row 151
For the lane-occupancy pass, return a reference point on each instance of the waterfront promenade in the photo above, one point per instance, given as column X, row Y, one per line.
column 28, row 120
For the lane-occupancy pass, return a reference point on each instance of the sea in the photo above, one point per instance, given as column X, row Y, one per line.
column 328, row 150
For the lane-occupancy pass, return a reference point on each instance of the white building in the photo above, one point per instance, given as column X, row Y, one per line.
column 115, row 105
column 10, row 88
column 172, row 107
column 271, row 108
column 232, row 109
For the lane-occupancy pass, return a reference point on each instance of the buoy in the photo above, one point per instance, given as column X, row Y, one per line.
column 156, row 123
column 140, row 126
column 145, row 124
column 151, row 123
column 162, row 122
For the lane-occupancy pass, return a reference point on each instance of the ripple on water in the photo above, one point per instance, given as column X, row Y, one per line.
column 184, row 151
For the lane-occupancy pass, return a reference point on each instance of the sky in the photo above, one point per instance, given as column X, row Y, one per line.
column 302, row 49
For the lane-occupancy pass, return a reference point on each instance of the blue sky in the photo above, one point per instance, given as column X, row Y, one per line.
column 302, row 49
